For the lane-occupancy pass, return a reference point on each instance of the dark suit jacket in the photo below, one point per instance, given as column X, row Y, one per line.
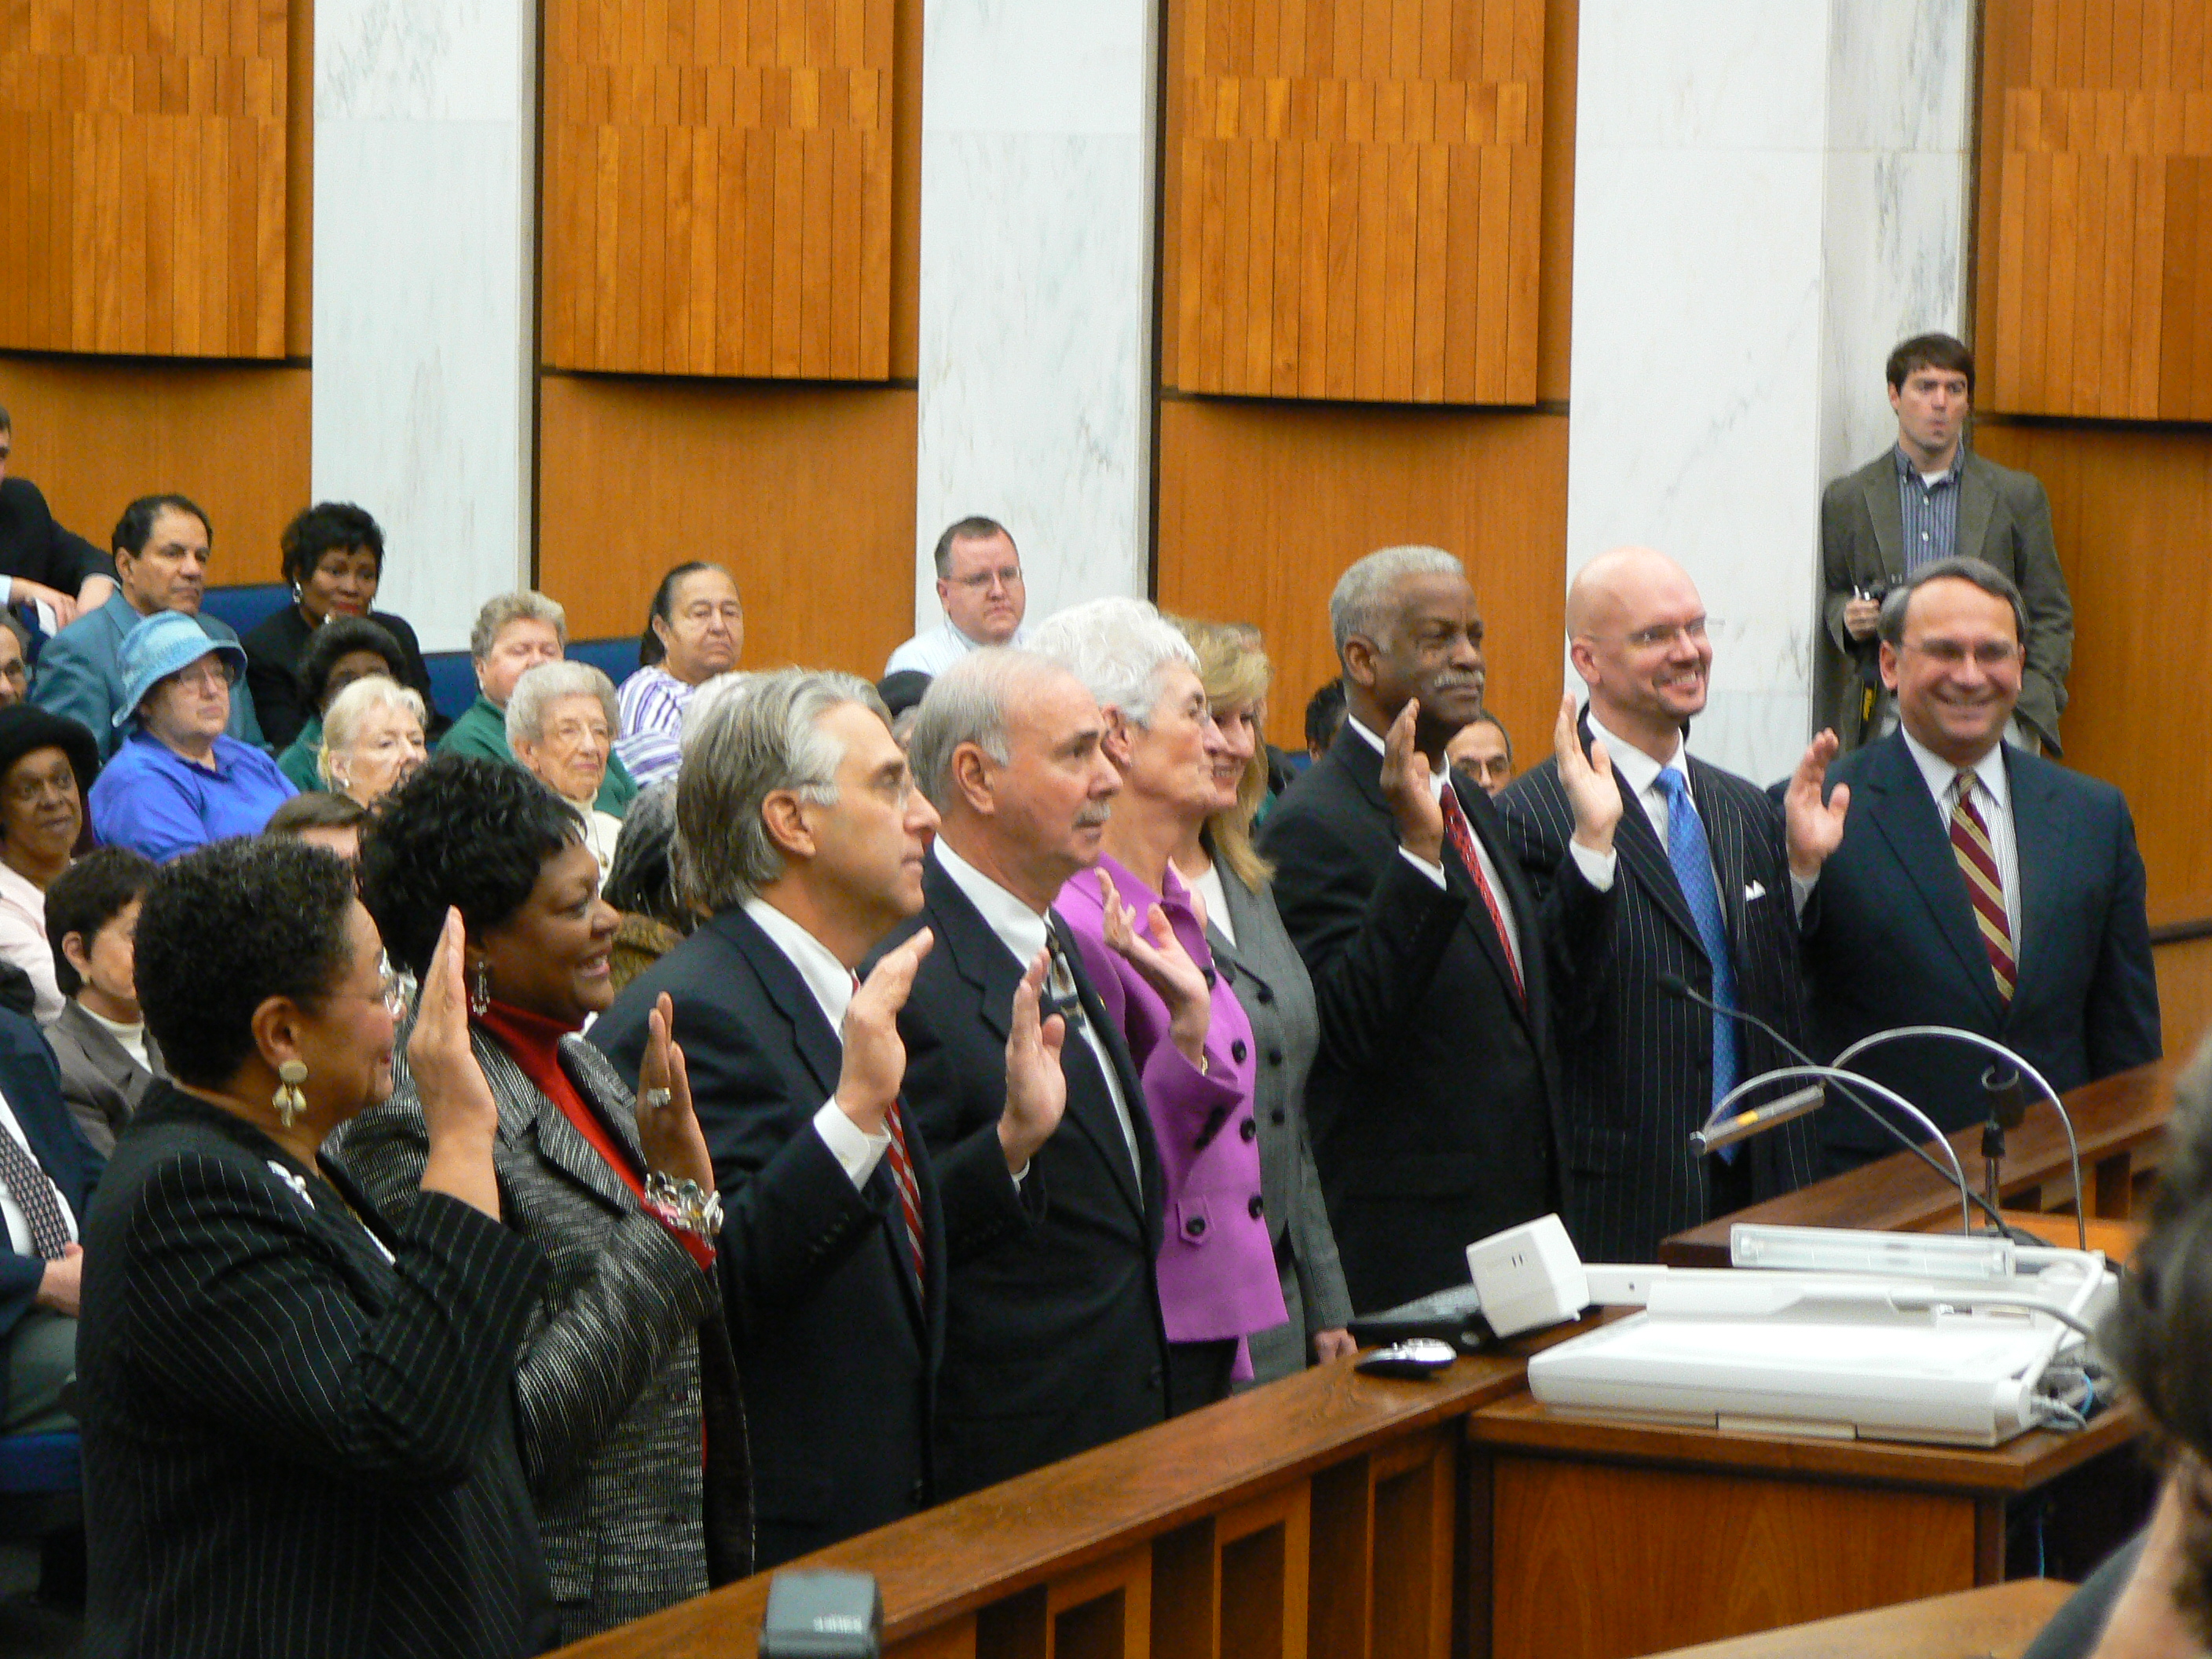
column 101, row 1081
column 34, row 547
column 294, row 1445
column 836, row 1341
column 1434, row 1100
column 2004, row 520
column 273, row 649
column 31, row 1083
column 1054, row 1343
column 1890, row 941
column 1636, row 1064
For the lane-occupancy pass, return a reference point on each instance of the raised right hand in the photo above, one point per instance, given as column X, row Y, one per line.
column 1037, row 1089
column 459, row 1117
column 875, row 1055
column 1815, row 827
column 1406, row 786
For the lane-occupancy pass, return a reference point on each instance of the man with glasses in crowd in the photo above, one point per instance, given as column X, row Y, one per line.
column 978, row 583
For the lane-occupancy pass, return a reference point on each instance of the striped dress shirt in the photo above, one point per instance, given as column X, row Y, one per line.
column 651, row 742
column 1929, row 509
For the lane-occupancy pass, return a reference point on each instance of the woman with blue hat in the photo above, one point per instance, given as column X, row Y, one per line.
column 180, row 780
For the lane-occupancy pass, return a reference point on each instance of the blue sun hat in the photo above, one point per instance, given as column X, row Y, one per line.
column 160, row 645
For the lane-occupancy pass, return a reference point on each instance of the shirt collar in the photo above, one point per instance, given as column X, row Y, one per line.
column 1907, row 469
column 1019, row 928
column 1939, row 774
column 1631, row 764
column 1436, row 777
column 829, row 979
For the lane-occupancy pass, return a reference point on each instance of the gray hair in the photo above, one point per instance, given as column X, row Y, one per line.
column 1890, row 627
column 1363, row 602
column 540, row 688
column 714, row 689
column 528, row 606
column 643, row 877
column 341, row 720
column 743, row 751
column 1117, row 648
column 968, row 704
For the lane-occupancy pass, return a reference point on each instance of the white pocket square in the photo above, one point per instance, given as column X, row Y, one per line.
column 1756, row 890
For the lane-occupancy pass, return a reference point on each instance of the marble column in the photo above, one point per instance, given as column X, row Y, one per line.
column 1769, row 194
column 425, row 166
column 1036, row 289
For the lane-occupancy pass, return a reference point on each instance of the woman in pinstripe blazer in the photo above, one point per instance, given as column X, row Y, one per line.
column 624, row 1354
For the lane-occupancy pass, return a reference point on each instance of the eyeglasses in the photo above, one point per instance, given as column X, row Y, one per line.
column 1989, row 655
column 1651, row 639
column 984, row 581
column 206, row 674
column 395, row 985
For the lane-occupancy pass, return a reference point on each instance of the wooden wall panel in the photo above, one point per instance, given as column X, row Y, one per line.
column 717, row 178
column 807, row 493
column 2185, row 995
column 1354, row 196
column 2094, row 293
column 1262, row 506
column 146, row 148
column 2132, row 512
column 94, row 434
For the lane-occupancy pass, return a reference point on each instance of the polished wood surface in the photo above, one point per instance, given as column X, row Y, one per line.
column 2184, row 994
column 1354, row 193
column 2120, row 1122
column 1995, row 1622
column 807, row 492
column 2095, row 213
column 717, row 187
column 146, row 183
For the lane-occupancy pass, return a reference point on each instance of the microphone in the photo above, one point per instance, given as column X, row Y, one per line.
column 1675, row 986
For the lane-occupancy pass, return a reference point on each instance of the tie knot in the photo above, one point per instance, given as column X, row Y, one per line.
column 1672, row 784
column 1962, row 788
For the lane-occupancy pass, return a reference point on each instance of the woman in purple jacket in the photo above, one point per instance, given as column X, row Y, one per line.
column 1143, row 937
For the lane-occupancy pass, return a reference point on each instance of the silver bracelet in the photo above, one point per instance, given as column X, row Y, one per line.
column 684, row 1205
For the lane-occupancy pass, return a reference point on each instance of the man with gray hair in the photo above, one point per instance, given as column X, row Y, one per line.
column 1434, row 1100
column 799, row 830
column 1054, row 1343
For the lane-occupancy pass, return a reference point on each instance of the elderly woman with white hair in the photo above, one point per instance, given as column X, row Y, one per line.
column 561, row 722
column 1142, row 930
column 372, row 739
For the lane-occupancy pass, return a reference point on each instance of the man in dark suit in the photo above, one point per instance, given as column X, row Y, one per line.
column 1974, row 885
column 1930, row 499
column 799, row 825
column 40, row 561
column 1054, row 1342
column 1663, row 865
column 46, row 1175
column 1434, row 1100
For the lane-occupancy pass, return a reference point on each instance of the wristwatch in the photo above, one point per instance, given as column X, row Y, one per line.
column 685, row 1206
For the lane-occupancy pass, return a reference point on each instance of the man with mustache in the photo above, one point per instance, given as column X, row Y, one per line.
column 1434, row 1099
column 1677, row 867
column 1975, row 884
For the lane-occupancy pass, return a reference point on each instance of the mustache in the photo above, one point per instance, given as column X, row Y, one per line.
column 1093, row 815
column 1453, row 679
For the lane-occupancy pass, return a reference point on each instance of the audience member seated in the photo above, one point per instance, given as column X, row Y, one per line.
column 978, row 583
column 372, row 739
column 1325, row 711
column 333, row 823
column 40, row 563
column 695, row 630
column 334, row 559
column 295, row 1403
column 514, row 632
column 47, row 1172
column 15, row 660
column 1144, row 940
column 1254, row 956
column 1482, row 753
column 46, row 764
column 560, row 724
column 162, row 547
column 641, row 883
column 98, row 1038
column 902, row 693
column 617, row 1191
column 180, row 780
column 343, row 650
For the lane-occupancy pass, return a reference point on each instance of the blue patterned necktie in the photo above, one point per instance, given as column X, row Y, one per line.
column 1692, row 862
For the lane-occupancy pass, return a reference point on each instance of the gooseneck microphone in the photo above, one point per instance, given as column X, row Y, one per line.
column 1675, row 986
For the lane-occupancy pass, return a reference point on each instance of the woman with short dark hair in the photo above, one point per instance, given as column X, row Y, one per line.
column 108, row 1061
column 626, row 1337
column 298, row 1435
column 695, row 628
column 46, row 765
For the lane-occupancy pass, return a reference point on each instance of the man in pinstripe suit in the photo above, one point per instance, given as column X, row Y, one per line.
column 1687, row 873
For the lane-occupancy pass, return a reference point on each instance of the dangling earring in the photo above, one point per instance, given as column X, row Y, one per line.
column 480, row 989
column 288, row 1100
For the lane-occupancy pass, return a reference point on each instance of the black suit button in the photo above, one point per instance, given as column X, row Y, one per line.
column 1196, row 1226
column 1248, row 1129
column 1276, row 1116
column 1254, row 1206
column 917, row 1494
column 1274, row 1056
column 1156, row 1381
column 1267, row 994
column 1237, row 1051
column 1215, row 1118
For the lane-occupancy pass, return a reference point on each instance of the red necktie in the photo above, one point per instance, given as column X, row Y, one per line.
column 1462, row 843
column 1977, row 862
column 909, row 1190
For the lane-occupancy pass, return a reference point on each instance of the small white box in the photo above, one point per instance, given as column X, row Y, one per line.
column 1528, row 1276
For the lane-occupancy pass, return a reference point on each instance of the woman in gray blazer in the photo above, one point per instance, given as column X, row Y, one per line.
column 625, row 1353
column 1250, row 945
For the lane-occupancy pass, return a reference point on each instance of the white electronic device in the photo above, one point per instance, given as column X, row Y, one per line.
column 1528, row 1276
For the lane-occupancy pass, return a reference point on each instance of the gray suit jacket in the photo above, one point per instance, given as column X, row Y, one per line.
column 608, row 1388
column 1270, row 980
column 101, row 1082
column 78, row 674
column 2004, row 520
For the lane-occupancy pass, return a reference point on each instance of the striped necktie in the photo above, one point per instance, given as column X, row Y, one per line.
column 1461, row 833
column 909, row 1189
column 1977, row 863
column 34, row 1195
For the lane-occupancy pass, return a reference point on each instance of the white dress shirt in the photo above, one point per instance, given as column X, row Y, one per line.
column 19, row 1225
column 1208, row 889
column 1993, row 801
column 934, row 652
column 856, row 1151
column 1636, row 768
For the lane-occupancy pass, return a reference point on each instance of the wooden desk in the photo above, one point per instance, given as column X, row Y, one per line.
column 1998, row 1622
column 1613, row 1538
column 2120, row 1122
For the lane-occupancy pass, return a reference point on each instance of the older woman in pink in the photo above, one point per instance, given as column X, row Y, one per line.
column 1142, row 935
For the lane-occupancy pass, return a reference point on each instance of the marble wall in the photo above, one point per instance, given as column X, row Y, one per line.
column 1036, row 289
column 425, row 134
column 1768, row 194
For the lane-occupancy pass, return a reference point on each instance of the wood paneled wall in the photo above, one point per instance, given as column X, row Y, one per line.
column 1353, row 198
column 718, row 187
column 2185, row 995
column 146, row 176
column 2094, row 279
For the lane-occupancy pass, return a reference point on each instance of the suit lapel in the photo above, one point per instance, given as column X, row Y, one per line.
column 1906, row 818
column 525, row 1113
column 1881, row 500
column 1978, row 501
column 821, row 1049
column 2038, row 837
column 1101, row 1122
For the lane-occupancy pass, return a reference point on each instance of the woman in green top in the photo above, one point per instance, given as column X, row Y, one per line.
column 343, row 650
